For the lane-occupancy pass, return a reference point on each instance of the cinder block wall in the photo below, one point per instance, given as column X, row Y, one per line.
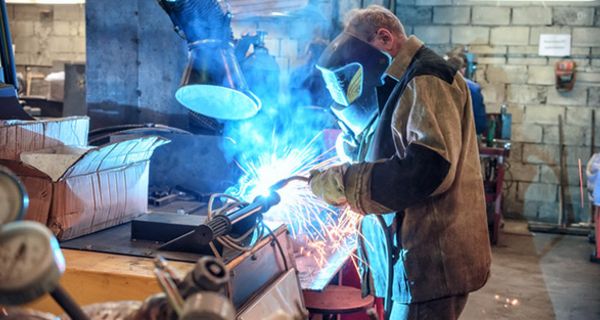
column 505, row 36
column 46, row 33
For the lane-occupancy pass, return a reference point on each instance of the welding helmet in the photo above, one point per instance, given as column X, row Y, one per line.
column 352, row 69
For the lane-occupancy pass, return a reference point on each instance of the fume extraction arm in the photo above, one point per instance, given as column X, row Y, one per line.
column 212, row 84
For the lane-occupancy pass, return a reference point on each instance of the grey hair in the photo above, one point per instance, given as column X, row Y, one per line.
column 364, row 23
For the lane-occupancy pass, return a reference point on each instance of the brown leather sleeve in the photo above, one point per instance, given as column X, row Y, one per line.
column 426, row 126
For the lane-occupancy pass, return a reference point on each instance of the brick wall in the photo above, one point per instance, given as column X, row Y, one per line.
column 46, row 33
column 505, row 37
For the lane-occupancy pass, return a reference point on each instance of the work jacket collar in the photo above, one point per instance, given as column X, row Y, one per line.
column 404, row 57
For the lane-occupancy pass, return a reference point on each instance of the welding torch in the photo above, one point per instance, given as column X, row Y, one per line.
column 221, row 225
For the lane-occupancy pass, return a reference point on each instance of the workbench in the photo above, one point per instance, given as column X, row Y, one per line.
column 93, row 277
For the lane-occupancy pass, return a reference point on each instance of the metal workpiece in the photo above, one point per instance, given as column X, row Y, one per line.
column 209, row 306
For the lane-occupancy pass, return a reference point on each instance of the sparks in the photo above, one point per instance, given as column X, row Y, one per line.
column 318, row 230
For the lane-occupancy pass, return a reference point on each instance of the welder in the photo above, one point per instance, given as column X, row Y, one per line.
column 415, row 173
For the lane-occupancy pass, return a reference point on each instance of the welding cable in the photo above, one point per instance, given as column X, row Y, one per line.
column 235, row 243
column 284, row 182
column 278, row 244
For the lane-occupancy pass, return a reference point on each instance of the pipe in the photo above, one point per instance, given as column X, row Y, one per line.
column 6, row 54
column 199, row 20
column 61, row 297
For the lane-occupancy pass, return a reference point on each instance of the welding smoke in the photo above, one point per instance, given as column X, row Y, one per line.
column 300, row 109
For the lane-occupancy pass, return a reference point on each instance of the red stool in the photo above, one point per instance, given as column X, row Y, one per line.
column 335, row 300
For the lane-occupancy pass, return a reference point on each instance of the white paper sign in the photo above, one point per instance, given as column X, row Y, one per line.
column 555, row 45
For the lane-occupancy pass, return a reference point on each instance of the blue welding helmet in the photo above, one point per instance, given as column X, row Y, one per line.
column 352, row 69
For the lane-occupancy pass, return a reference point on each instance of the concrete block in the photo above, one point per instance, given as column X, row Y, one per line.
column 543, row 114
column 486, row 49
column 491, row 60
column 592, row 77
column 527, row 61
column 483, row 15
column 21, row 28
column 532, row 16
column 524, row 50
column 526, row 94
column 42, row 30
column 452, row 15
column 575, row 97
column 81, row 29
column 470, row 35
column 32, row 12
column 506, row 74
column 441, row 49
column 413, row 15
column 586, row 37
column 516, row 152
column 509, row 35
column 78, row 45
column 72, row 12
column 524, row 172
column 493, row 93
column 547, row 211
column 517, row 111
column 574, row 153
column 550, row 174
column 537, row 191
column 22, row 58
column 573, row 16
column 432, row 2
column 534, row 35
column 540, row 153
column 541, row 75
column 480, row 75
column 61, row 44
column 573, row 174
column 579, row 116
column 494, row 107
column 594, row 101
column 61, row 28
column 574, row 209
column 527, row 133
column 573, row 135
column 433, row 34
column 512, row 205
column 24, row 44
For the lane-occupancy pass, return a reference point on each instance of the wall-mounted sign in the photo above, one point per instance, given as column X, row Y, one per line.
column 555, row 45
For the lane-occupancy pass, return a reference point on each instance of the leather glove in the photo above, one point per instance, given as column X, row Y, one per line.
column 329, row 184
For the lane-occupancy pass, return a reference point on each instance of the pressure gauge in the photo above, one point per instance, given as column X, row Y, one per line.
column 13, row 197
column 31, row 262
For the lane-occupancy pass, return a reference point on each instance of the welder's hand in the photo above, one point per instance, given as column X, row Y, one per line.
column 329, row 184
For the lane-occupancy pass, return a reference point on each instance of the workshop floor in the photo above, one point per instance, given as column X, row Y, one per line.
column 538, row 276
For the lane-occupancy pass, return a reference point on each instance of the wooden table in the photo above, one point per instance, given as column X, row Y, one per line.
column 93, row 277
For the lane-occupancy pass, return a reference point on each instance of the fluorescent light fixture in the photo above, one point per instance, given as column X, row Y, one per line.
column 46, row 1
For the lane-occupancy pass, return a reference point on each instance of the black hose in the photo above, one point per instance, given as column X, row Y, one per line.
column 63, row 298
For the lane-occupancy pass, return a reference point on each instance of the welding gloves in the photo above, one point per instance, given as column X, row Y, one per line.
column 329, row 184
